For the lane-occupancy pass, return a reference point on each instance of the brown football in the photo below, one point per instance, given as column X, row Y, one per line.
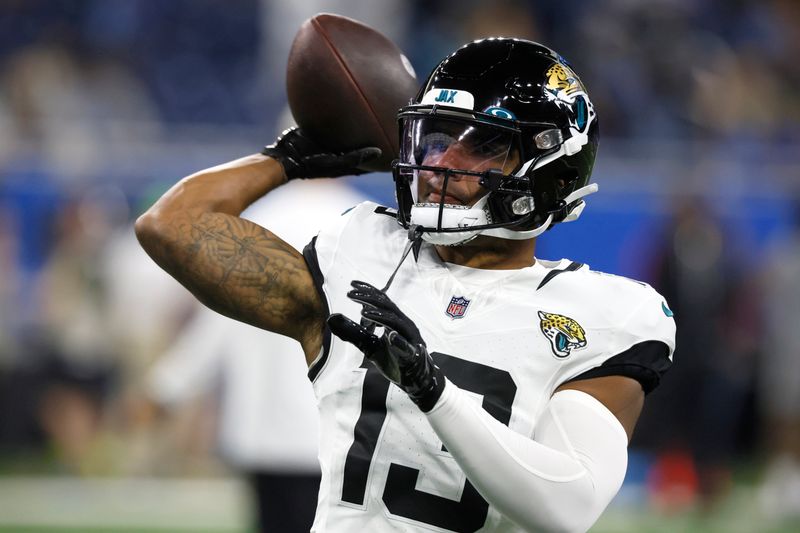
column 345, row 82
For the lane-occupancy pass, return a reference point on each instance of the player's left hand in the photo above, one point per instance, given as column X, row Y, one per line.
column 399, row 353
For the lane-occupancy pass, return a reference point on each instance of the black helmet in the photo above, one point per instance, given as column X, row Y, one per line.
column 519, row 107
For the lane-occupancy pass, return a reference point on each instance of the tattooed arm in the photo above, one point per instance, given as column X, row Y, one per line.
column 230, row 264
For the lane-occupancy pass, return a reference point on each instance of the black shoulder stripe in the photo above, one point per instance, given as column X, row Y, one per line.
column 383, row 210
column 572, row 267
column 645, row 362
column 310, row 255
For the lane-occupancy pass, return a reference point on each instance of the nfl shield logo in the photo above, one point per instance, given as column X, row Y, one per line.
column 458, row 306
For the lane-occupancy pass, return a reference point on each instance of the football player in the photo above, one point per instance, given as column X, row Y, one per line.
column 480, row 388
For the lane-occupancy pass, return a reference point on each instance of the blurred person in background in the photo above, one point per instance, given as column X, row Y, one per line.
column 693, row 422
column 779, row 375
column 9, row 282
column 267, row 420
column 17, row 417
column 141, row 325
column 78, row 359
column 92, row 333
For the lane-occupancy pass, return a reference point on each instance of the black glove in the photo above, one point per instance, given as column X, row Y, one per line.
column 303, row 158
column 400, row 353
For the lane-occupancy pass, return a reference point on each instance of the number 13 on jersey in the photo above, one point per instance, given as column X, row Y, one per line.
column 400, row 494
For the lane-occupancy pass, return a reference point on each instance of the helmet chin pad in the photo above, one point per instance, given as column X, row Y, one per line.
column 426, row 215
column 456, row 216
column 449, row 239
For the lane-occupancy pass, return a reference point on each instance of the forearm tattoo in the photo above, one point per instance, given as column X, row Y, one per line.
column 244, row 271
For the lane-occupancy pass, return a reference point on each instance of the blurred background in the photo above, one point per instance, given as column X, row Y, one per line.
column 112, row 419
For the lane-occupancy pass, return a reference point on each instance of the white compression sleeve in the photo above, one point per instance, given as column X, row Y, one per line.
column 560, row 480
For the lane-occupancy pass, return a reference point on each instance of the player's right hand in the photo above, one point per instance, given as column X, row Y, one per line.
column 303, row 158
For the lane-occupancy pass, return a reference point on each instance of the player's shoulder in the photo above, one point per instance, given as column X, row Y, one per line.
column 363, row 217
column 364, row 233
column 610, row 300
column 603, row 324
column 368, row 222
column 601, row 287
column 628, row 305
column 374, row 213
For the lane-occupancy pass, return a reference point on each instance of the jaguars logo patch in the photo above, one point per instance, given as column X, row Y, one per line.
column 564, row 333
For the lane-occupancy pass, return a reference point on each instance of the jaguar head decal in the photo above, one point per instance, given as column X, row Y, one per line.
column 564, row 333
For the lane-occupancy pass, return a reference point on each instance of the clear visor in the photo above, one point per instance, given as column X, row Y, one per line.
column 441, row 142
column 439, row 151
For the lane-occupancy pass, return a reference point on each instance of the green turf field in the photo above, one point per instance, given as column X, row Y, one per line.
column 71, row 505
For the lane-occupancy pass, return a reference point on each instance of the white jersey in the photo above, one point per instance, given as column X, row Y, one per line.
column 509, row 337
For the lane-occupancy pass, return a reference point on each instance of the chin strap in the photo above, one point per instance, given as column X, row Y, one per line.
column 414, row 242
